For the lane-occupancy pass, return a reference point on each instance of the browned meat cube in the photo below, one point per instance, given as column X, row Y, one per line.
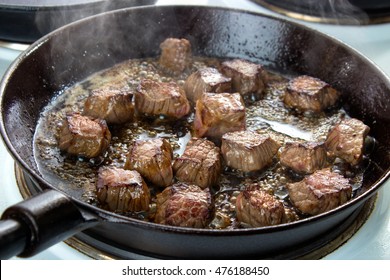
column 247, row 150
column 259, row 209
column 346, row 140
column 218, row 113
column 206, row 80
column 176, row 55
column 304, row 157
column 319, row 192
column 247, row 77
column 153, row 160
column 112, row 105
column 122, row 190
column 183, row 205
column 158, row 98
column 306, row 93
column 84, row 136
column 200, row 163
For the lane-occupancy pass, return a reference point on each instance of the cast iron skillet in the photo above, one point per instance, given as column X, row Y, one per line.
column 70, row 54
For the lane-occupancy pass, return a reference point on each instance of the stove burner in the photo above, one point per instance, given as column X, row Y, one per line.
column 344, row 12
column 99, row 249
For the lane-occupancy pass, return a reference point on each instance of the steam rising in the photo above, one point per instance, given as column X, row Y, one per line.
column 52, row 14
column 341, row 11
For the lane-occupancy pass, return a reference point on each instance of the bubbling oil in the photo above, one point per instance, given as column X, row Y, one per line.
column 265, row 116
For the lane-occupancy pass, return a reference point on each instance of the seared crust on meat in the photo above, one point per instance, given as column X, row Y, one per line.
column 112, row 105
column 319, row 192
column 248, row 150
column 304, row 157
column 200, row 163
column 258, row 209
column 218, row 113
column 184, row 205
column 84, row 136
column 247, row 77
column 346, row 140
column 158, row 98
column 176, row 55
column 153, row 160
column 122, row 190
column 206, row 80
column 306, row 93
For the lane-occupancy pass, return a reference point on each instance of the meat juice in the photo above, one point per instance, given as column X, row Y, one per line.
column 265, row 116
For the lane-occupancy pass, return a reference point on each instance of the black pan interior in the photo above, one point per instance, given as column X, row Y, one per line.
column 71, row 54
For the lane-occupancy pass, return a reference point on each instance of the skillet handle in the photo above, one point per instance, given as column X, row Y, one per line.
column 39, row 222
column 13, row 238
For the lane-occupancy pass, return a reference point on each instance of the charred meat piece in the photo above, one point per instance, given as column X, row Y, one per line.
column 346, row 140
column 158, row 98
column 122, row 190
column 200, row 163
column 247, row 150
column 206, row 80
column 153, row 160
column 259, row 209
column 184, row 205
column 176, row 55
column 84, row 136
column 304, row 157
column 218, row 113
column 306, row 93
column 112, row 105
column 247, row 77
column 319, row 192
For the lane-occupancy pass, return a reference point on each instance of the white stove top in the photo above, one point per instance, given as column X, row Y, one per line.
column 372, row 241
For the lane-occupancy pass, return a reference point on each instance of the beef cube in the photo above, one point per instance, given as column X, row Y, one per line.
column 122, row 190
column 247, row 77
column 200, row 163
column 218, row 113
column 153, row 160
column 183, row 205
column 306, row 93
column 176, row 55
column 206, row 80
column 346, row 140
column 112, row 105
column 305, row 157
column 319, row 192
column 247, row 150
column 84, row 136
column 257, row 208
column 158, row 98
